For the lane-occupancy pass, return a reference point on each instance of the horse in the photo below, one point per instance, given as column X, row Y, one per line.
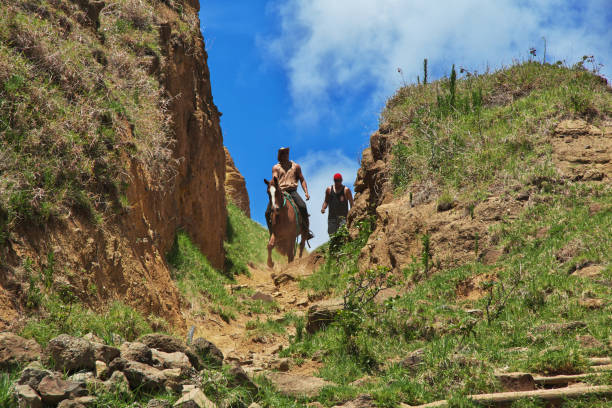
column 284, row 223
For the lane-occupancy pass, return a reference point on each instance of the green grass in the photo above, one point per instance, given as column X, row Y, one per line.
column 246, row 242
column 75, row 319
column 6, row 388
column 195, row 277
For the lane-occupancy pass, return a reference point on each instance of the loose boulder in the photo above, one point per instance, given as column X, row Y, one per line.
column 142, row 376
column 71, row 353
column 33, row 374
column 163, row 342
column 53, row 390
column 27, row 397
column 207, row 352
column 15, row 350
column 194, row 399
column 294, row 385
column 137, row 351
column 321, row 314
column 105, row 353
column 171, row 360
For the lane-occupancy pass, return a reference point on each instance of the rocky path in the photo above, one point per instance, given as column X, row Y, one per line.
column 258, row 351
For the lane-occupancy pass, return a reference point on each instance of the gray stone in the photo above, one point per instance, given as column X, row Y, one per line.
column 117, row 383
column 53, row 390
column 138, row 352
column 101, row 370
column 27, row 397
column 142, row 376
column 33, row 374
column 163, row 342
column 194, row 399
column 176, row 359
column 71, row 353
column 80, row 402
column 294, row 385
column 207, row 353
column 240, row 378
column 15, row 350
column 321, row 314
column 281, row 364
column 105, row 353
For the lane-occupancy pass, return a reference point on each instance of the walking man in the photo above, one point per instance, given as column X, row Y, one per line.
column 289, row 174
column 337, row 197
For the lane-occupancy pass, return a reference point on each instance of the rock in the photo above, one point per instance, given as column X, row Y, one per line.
column 33, row 374
column 105, row 353
column 254, row 405
column 445, row 206
column 83, row 377
column 282, row 278
column 362, row 401
column 163, row 342
column 101, row 370
column 117, row 364
column 280, row 365
column 588, row 341
column 516, row 381
column 80, row 402
column 264, row 297
column 140, row 375
column 172, row 373
column 176, row 359
column 560, row 327
column 138, row 352
column 194, row 399
column 53, row 389
column 235, row 186
column 15, row 350
column 157, row 403
column 294, row 385
column 92, row 338
column 117, row 383
column 207, row 352
column 71, row 353
column 240, row 378
column 413, row 359
column 321, row 314
column 27, row 397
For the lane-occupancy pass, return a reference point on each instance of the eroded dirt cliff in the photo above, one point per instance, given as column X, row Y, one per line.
column 120, row 255
column 235, row 186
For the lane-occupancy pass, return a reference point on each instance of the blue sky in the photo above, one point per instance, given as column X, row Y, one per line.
column 314, row 74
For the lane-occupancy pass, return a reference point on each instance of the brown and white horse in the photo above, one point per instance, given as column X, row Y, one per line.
column 284, row 227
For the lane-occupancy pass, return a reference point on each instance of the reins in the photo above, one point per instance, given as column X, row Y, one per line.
column 287, row 196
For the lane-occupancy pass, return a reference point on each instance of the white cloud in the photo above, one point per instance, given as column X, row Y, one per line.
column 319, row 168
column 345, row 48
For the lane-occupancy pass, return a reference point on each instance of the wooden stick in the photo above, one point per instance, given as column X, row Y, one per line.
column 607, row 367
column 599, row 361
column 562, row 379
column 506, row 397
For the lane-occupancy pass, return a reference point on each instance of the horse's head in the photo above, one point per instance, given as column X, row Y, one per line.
column 274, row 195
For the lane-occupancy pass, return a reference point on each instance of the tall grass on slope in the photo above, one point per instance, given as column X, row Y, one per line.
column 487, row 129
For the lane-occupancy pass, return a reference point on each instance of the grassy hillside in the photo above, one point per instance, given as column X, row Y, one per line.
column 77, row 102
column 543, row 306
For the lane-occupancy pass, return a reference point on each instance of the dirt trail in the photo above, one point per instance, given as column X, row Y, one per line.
column 259, row 351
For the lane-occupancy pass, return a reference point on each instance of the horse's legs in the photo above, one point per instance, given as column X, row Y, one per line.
column 302, row 243
column 291, row 252
column 270, row 247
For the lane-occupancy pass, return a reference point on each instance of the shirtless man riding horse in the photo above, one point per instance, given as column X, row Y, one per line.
column 289, row 175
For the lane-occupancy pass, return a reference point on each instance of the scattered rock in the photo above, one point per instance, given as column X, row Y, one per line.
column 85, row 377
column 591, row 303
column 413, row 360
column 142, row 376
column 138, row 352
column 117, row 383
column 71, row 353
column 254, row 405
column 280, row 365
column 516, row 381
column 321, row 314
column 157, row 403
column 15, row 350
column 53, row 390
column 240, row 378
column 101, row 370
column 264, row 297
column 207, row 352
column 560, row 327
column 294, row 385
column 194, row 399
column 33, row 374
column 176, row 359
column 172, row 373
column 80, row 402
column 163, row 342
column 117, row 364
column 588, row 341
column 362, row 401
column 282, row 278
column 105, row 353
column 27, row 397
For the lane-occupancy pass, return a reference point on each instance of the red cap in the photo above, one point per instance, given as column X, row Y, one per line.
column 338, row 177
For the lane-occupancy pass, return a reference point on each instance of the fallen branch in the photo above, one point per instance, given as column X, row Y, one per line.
column 498, row 399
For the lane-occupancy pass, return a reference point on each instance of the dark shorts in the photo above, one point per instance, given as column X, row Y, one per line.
column 333, row 223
